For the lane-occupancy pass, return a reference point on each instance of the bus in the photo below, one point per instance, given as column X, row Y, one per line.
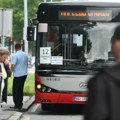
column 73, row 44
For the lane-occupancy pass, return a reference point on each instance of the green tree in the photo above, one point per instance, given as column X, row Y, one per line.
column 17, row 7
column 32, row 9
column 18, row 15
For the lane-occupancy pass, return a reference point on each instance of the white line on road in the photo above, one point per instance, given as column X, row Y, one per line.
column 35, row 107
column 26, row 118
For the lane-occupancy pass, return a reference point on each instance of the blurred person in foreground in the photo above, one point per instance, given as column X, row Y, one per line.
column 19, row 66
column 104, row 89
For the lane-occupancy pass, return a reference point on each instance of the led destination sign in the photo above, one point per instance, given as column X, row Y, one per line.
column 93, row 15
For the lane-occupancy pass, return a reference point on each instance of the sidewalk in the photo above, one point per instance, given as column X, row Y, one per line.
column 7, row 114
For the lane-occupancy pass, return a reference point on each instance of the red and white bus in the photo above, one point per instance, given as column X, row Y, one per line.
column 73, row 44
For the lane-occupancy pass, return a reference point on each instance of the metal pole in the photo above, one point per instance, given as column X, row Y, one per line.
column 11, row 49
column 45, row 0
column 25, row 26
column 50, row 0
column 3, row 26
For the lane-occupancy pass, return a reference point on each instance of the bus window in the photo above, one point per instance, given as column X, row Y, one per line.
column 79, row 44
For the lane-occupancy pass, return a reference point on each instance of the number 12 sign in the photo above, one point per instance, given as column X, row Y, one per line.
column 45, row 55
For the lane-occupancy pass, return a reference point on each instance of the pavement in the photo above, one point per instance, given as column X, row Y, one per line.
column 6, row 113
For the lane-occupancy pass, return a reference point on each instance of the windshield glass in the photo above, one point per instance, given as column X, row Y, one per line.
column 77, row 44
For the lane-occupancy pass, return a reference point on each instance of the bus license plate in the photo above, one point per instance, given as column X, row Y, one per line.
column 82, row 99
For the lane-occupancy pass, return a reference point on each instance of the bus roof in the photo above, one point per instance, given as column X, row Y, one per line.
column 101, row 4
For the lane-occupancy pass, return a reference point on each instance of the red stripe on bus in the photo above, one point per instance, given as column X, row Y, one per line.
column 60, row 98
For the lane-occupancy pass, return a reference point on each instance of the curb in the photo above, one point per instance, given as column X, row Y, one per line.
column 28, row 103
column 16, row 116
column 7, row 114
column 26, row 106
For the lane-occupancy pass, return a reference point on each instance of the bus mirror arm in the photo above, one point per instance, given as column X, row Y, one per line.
column 35, row 21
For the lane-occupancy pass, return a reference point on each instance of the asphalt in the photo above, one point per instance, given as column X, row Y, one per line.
column 7, row 113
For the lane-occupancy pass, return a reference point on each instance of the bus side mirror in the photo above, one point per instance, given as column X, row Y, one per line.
column 43, row 27
column 30, row 33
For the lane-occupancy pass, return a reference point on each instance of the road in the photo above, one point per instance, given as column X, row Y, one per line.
column 65, row 113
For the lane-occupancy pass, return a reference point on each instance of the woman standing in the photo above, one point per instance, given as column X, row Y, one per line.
column 4, row 73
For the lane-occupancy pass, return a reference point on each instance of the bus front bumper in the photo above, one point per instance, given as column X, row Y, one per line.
column 60, row 98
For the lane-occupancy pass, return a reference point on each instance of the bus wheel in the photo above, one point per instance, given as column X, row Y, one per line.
column 47, row 107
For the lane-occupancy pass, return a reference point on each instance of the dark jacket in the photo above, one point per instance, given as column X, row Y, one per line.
column 104, row 95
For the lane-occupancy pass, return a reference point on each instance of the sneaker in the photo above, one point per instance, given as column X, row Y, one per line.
column 17, row 109
column 21, row 110
column 14, row 108
column 3, row 104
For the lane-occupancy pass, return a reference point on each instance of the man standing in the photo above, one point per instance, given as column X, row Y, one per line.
column 19, row 65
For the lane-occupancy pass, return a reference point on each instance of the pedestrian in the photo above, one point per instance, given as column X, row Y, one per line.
column 4, row 74
column 104, row 88
column 8, row 71
column 19, row 66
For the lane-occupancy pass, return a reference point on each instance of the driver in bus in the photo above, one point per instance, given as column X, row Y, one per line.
column 104, row 88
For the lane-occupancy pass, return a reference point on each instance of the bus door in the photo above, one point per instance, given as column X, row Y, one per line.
column 72, row 43
column 75, row 44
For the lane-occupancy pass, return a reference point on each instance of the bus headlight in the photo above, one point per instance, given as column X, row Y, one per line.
column 49, row 90
column 43, row 89
column 39, row 86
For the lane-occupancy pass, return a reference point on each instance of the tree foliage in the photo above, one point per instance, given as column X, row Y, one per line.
column 17, row 7
column 18, row 14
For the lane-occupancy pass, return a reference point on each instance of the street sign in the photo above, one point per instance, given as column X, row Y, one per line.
column 7, row 17
column 1, row 22
column 6, row 23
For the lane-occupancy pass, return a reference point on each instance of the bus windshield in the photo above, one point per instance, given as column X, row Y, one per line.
column 77, row 44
